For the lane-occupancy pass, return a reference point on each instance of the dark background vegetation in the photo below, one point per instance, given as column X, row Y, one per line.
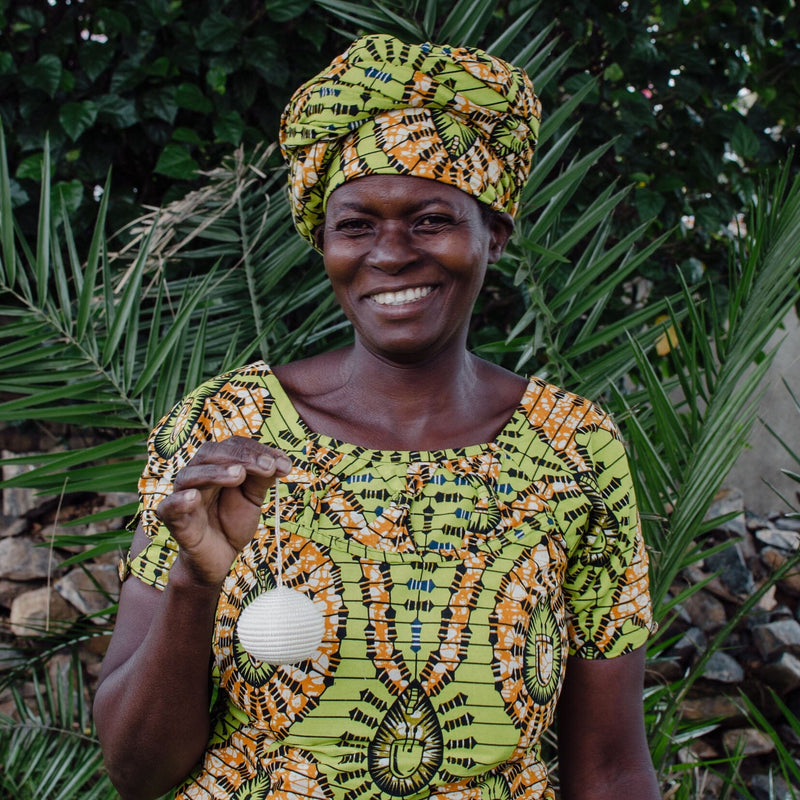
column 699, row 97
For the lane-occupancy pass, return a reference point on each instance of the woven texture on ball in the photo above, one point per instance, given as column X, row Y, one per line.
column 281, row 626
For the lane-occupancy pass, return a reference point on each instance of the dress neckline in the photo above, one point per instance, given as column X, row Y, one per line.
column 301, row 428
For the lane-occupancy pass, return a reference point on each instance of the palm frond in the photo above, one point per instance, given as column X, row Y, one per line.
column 685, row 453
column 48, row 748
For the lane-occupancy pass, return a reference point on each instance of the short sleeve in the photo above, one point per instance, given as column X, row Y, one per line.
column 606, row 583
column 229, row 405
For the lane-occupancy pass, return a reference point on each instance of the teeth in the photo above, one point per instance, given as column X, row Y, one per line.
column 398, row 298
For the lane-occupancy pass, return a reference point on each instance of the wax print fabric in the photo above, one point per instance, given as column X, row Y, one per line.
column 454, row 584
column 452, row 114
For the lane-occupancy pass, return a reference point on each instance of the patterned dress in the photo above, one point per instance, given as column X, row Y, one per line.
column 454, row 583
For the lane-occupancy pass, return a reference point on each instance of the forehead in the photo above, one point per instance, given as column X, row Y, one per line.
column 399, row 192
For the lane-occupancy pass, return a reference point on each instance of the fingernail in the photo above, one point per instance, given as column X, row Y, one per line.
column 283, row 464
column 234, row 469
column 266, row 462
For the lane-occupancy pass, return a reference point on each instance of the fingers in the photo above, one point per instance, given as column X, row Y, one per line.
column 234, row 462
column 216, row 502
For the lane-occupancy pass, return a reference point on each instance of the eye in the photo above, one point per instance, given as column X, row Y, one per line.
column 353, row 226
column 433, row 223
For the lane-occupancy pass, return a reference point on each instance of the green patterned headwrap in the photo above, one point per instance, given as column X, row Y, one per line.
column 452, row 114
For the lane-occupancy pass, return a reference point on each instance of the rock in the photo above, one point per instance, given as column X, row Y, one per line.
column 723, row 668
column 20, row 560
column 91, row 590
column 780, row 612
column 29, row 612
column 733, row 572
column 712, row 707
column 712, row 784
column 698, row 750
column 97, row 645
column 93, row 668
column 692, row 642
column 755, row 521
column 787, row 523
column 769, row 787
column 10, row 589
column 781, row 540
column 13, row 526
column 17, row 501
column 663, row 670
column 773, row 558
column 728, row 501
column 705, row 611
column 778, row 637
column 767, row 601
column 789, row 736
column 678, row 610
column 782, row 675
column 10, row 657
column 793, row 702
column 747, row 742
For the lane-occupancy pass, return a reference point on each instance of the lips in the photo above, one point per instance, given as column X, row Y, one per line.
column 401, row 297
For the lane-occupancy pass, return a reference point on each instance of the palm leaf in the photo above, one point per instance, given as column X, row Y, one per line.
column 49, row 748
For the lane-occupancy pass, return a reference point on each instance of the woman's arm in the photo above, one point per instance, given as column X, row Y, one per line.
column 603, row 752
column 151, row 707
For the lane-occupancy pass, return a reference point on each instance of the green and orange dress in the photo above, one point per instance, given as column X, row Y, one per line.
column 454, row 583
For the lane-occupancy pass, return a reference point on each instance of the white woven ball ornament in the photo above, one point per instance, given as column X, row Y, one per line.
column 281, row 626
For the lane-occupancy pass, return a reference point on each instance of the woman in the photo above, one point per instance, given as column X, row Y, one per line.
column 469, row 536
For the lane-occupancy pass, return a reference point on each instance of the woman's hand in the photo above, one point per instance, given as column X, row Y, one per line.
column 216, row 503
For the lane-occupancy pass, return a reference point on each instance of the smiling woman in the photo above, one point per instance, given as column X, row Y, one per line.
column 469, row 536
column 407, row 263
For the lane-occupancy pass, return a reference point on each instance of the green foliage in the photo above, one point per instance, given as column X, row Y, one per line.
column 685, row 437
column 794, row 459
column 698, row 97
column 683, row 450
column 109, row 340
column 107, row 333
column 157, row 89
column 48, row 747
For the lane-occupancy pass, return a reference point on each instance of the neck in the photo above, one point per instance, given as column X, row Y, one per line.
column 412, row 400
column 451, row 399
column 439, row 379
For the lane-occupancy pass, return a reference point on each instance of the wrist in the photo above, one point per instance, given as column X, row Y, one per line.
column 184, row 576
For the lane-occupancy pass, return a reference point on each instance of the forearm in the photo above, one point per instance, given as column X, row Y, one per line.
column 152, row 711
column 618, row 782
column 602, row 747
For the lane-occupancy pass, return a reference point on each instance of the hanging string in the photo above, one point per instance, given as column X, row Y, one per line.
column 279, row 555
column 281, row 625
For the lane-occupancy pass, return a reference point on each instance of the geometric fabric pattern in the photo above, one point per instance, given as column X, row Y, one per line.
column 456, row 115
column 453, row 583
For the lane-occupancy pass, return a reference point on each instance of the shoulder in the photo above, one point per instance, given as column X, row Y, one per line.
column 552, row 407
column 578, row 430
column 233, row 403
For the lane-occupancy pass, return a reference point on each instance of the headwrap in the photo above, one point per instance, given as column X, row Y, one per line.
column 451, row 114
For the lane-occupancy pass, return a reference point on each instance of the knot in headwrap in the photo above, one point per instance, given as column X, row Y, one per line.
column 451, row 114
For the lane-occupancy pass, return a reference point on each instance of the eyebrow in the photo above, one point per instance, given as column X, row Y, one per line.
column 429, row 201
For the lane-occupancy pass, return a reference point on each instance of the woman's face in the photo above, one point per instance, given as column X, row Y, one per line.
column 406, row 258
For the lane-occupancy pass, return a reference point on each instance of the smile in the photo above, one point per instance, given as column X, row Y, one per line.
column 404, row 296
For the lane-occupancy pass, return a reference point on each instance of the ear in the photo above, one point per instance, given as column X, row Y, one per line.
column 501, row 226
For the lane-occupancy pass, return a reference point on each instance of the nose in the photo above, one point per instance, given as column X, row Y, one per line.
column 392, row 249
